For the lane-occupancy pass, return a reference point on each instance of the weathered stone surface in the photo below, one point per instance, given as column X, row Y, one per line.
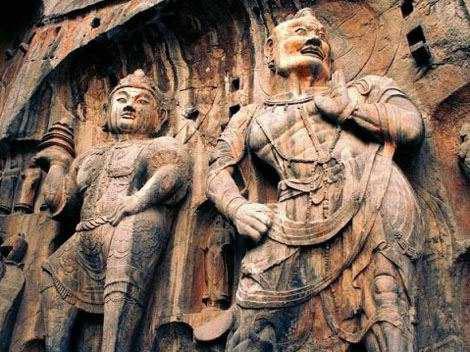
column 208, row 58
column 58, row 8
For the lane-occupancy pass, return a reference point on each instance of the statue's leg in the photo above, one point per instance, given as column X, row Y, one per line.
column 121, row 318
column 393, row 331
column 131, row 264
column 250, row 336
column 59, row 317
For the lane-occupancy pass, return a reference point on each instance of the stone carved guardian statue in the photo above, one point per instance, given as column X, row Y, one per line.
column 333, row 260
column 127, row 193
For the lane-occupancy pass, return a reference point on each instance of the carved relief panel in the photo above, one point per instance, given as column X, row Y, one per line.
column 209, row 61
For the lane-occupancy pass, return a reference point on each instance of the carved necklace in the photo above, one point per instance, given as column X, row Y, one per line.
column 285, row 102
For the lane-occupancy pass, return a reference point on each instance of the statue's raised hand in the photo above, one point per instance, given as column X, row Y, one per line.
column 253, row 220
column 55, row 161
column 334, row 100
column 52, row 155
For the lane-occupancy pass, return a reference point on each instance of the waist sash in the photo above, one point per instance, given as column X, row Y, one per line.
column 301, row 233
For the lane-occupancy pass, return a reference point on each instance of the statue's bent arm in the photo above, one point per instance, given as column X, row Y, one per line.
column 164, row 182
column 231, row 146
column 168, row 170
column 394, row 118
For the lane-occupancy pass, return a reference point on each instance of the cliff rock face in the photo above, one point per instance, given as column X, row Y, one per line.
column 207, row 58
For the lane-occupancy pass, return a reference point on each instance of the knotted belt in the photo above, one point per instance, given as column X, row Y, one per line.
column 91, row 224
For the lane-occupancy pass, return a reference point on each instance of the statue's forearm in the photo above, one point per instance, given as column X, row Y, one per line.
column 366, row 116
column 164, row 182
column 59, row 188
column 221, row 187
column 225, row 194
column 400, row 123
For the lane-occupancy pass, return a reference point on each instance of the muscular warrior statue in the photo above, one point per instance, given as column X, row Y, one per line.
column 332, row 261
column 126, row 192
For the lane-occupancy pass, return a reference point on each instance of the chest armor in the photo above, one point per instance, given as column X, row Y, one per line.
column 115, row 179
column 300, row 145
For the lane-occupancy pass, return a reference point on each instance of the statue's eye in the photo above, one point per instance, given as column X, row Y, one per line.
column 301, row 31
column 122, row 100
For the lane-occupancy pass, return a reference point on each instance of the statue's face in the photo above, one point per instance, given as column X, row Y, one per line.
column 300, row 44
column 133, row 110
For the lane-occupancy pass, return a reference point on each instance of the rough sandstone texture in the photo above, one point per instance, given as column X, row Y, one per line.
column 64, row 57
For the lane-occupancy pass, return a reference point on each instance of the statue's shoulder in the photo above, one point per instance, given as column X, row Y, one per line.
column 370, row 82
column 375, row 86
column 93, row 153
column 167, row 146
column 168, row 151
column 243, row 117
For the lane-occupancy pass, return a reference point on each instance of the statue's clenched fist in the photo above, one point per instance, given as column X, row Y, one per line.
column 253, row 220
column 52, row 155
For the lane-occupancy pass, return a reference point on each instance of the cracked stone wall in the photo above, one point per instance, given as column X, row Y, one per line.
column 63, row 57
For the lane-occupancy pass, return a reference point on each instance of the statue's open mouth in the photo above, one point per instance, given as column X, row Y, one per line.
column 312, row 51
column 128, row 116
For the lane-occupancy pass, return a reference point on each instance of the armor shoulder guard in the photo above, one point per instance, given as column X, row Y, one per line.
column 376, row 88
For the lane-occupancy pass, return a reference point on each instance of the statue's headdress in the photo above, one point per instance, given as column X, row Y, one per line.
column 138, row 79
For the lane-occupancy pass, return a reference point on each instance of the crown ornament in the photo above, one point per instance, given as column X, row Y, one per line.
column 138, row 79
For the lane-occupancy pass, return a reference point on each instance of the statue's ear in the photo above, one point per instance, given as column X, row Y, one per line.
column 269, row 53
column 163, row 120
column 105, row 112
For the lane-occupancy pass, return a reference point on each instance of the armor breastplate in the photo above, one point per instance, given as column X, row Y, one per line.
column 314, row 174
column 114, row 181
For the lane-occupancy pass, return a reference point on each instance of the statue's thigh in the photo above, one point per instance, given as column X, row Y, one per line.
column 400, row 211
column 383, row 287
column 137, row 244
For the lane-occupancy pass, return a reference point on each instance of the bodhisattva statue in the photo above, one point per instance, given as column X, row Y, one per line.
column 126, row 193
column 333, row 260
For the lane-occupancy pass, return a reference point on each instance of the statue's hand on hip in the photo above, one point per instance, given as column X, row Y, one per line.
column 334, row 100
column 130, row 205
column 253, row 220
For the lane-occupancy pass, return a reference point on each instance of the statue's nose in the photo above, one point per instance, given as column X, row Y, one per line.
column 313, row 40
column 129, row 107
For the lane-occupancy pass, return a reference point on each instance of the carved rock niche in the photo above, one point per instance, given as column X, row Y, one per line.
column 195, row 67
